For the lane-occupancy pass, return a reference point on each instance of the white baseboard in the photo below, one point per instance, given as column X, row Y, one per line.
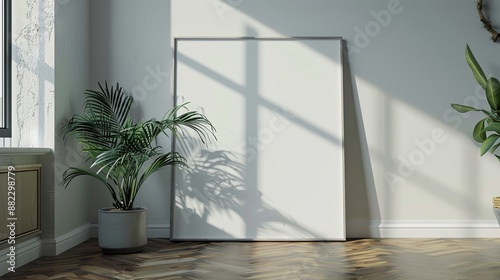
column 31, row 249
column 384, row 229
column 34, row 248
column 155, row 230
column 26, row 251
column 160, row 230
column 54, row 247
column 423, row 229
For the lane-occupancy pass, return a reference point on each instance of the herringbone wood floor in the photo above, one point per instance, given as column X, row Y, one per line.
column 441, row 259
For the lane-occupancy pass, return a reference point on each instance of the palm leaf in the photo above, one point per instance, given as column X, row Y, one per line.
column 193, row 120
column 71, row 173
column 113, row 103
column 172, row 158
column 117, row 147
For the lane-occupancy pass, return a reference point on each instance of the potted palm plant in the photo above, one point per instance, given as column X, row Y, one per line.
column 122, row 154
column 487, row 130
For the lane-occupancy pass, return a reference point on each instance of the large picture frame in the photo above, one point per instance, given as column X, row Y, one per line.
column 276, row 171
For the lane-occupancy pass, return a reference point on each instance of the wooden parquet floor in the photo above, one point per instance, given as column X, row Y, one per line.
column 443, row 259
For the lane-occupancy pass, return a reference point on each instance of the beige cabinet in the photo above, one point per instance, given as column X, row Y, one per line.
column 19, row 205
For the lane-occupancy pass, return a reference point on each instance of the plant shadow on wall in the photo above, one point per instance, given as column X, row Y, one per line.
column 215, row 185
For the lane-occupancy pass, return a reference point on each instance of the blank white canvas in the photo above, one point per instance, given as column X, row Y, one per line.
column 276, row 171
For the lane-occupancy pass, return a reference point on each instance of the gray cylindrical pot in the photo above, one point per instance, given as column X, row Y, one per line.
column 497, row 214
column 496, row 207
column 121, row 231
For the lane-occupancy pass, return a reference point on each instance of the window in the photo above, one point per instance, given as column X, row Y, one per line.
column 5, row 93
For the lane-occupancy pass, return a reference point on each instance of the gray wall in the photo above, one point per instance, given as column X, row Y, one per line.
column 410, row 162
column 130, row 44
column 71, row 79
column 411, row 166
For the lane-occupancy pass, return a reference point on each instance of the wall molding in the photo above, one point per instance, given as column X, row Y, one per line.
column 423, row 229
column 34, row 248
column 60, row 244
column 26, row 251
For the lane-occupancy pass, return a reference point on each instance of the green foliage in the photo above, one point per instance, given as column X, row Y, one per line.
column 122, row 152
column 486, row 131
column 476, row 69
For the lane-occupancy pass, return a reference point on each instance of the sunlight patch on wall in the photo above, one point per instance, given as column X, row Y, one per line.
column 33, row 67
column 410, row 152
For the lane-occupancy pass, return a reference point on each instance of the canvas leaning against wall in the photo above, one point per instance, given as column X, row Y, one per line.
column 277, row 169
